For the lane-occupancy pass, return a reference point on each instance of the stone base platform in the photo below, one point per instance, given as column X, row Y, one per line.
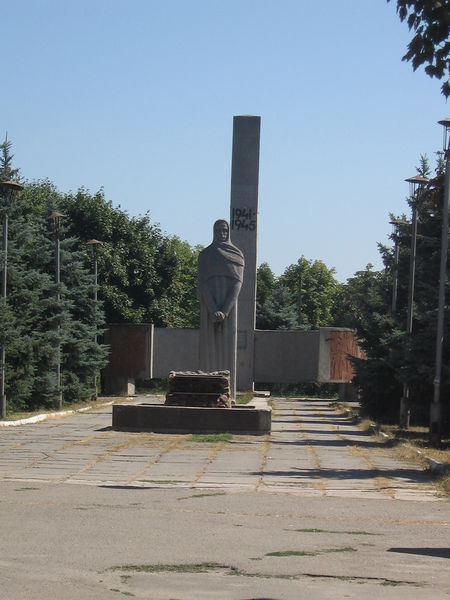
column 179, row 419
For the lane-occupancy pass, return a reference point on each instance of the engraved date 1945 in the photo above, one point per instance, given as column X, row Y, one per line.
column 243, row 218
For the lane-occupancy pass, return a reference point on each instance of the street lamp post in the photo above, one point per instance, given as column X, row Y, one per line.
column 435, row 408
column 56, row 217
column 415, row 183
column 95, row 243
column 7, row 189
column 396, row 223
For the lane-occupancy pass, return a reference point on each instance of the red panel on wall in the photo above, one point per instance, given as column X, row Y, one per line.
column 342, row 344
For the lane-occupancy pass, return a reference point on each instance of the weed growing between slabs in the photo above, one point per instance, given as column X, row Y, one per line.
column 314, row 530
column 207, row 567
column 283, row 553
column 244, row 398
column 180, row 568
column 211, row 438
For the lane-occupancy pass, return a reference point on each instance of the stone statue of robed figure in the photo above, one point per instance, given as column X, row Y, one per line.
column 220, row 276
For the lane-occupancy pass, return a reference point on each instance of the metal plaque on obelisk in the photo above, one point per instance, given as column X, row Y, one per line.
column 244, row 225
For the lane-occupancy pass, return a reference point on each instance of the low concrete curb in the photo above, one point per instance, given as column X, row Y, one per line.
column 45, row 416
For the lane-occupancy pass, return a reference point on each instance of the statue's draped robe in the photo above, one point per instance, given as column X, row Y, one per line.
column 220, row 275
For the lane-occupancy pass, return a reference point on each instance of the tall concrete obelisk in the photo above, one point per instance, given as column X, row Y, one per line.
column 244, row 225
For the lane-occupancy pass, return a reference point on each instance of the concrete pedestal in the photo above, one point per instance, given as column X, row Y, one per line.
column 177, row 419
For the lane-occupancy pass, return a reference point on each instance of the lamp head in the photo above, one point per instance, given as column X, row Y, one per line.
column 398, row 222
column 416, row 182
column 446, row 127
column 9, row 188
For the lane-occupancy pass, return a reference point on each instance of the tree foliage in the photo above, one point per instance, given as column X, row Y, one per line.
column 393, row 357
column 6, row 161
column 313, row 288
column 45, row 324
column 430, row 45
column 144, row 276
column 303, row 297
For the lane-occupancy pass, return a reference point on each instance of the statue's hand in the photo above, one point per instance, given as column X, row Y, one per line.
column 218, row 316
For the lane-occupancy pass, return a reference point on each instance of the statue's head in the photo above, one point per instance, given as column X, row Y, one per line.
column 221, row 231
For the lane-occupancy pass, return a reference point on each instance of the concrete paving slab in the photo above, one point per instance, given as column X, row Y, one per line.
column 346, row 518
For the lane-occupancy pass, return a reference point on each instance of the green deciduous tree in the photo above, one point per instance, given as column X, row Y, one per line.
column 146, row 276
column 314, row 290
column 430, row 46
column 303, row 297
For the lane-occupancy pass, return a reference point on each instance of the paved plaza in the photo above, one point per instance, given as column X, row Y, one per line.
column 318, row 509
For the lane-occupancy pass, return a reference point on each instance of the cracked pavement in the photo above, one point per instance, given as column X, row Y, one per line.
column 317, row 509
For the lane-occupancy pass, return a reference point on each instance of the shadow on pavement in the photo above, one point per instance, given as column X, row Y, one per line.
column 370, row 443
column 410, row 475
column 436, row 552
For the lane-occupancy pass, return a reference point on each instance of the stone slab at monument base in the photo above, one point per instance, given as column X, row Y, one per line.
column 180, row 419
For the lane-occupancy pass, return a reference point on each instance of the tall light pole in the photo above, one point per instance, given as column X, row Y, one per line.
column 95, row 243
column 435, row 408
column 396, row 223
column 415, row 183
column 56, row 217
column 300, row 297
column 8, row 189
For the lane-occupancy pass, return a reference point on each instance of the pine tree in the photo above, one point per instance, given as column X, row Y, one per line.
column 26, row 315
column 6, row 169
column 394, row 358
column 40, row 317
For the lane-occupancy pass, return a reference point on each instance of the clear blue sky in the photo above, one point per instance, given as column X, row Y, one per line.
column 138, row 97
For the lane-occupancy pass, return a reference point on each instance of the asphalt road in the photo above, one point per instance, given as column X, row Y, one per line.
column 316, row 510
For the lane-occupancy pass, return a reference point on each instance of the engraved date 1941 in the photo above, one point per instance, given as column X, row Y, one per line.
column 243, row 218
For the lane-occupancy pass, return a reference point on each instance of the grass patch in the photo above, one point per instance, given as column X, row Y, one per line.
column 15, row 415
column 414, row 446
column 342, row 409
column 365, row 425
column 177, row 568
column 418, row 438
column 443, row 481
column 292, row 553
column 211, row 437
column 244, row 398
column 283, row 553
column 314, row 530
column 305, row 391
